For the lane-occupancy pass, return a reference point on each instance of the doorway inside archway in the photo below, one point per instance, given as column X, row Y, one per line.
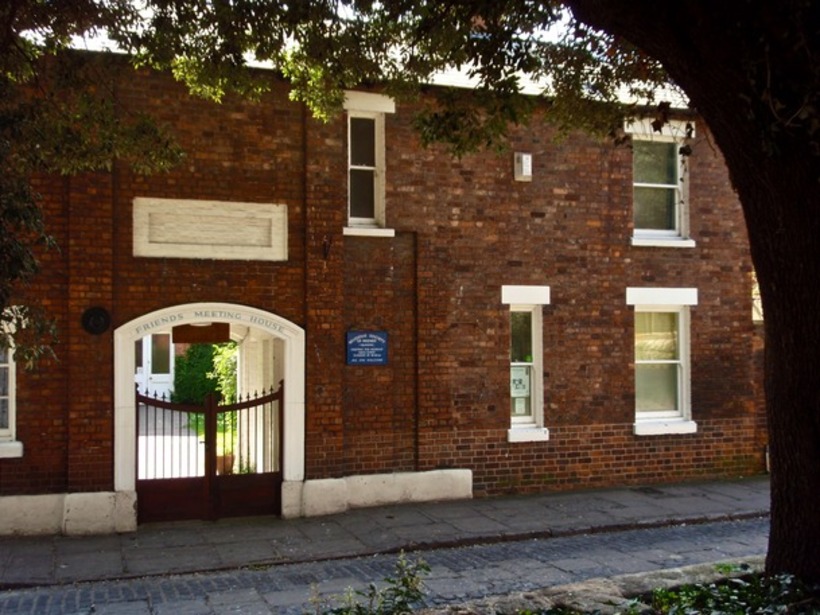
column 172, row 443
column 208, row 446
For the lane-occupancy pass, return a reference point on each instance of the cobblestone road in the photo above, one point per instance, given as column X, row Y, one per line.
column 457, row 574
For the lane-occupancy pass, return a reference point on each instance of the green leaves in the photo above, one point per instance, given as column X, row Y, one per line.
column 65, row 121
column 466, row 123
column 754, row 594
column 30, row 331
column 400, row 595
column 26, row 328
column 59, row 112
column 192, row 375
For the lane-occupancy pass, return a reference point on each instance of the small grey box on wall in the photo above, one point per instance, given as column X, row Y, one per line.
column 523, row 167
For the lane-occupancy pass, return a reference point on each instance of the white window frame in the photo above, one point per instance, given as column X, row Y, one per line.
column 679, row 301
column 9, row 446
column 674, row 131
column 530, row 299
column 370, row 106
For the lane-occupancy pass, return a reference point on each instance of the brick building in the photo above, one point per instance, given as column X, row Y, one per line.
column 562, row 315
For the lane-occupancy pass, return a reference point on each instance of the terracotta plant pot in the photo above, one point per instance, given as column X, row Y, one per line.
column 224, row 464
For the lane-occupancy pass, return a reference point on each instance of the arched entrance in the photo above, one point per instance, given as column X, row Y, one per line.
column 275, row 346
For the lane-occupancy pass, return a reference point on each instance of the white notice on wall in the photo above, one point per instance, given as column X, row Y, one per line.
column 519, row 382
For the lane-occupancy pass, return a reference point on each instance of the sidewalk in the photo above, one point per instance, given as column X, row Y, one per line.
column 158, row 549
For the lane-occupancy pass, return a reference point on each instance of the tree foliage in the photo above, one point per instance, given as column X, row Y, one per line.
column 57, row 113
column 325, row 47
column 57, row 116
column 751, row 69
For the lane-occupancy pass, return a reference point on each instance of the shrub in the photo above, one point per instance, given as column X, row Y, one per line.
column 224, row 370
column 204, row 369
column 192, row 380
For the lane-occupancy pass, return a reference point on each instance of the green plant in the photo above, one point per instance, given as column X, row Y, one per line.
column 400, row 594
column 246, row 467
column 204, row 369
column 729, row 568
column 208, row 369
column 752, row 594
column 192, row 382
column 224, row 370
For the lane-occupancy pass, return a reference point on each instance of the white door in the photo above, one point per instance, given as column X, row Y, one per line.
column 154, row 364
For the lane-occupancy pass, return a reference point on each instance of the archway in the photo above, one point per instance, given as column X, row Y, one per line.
column 287, row 339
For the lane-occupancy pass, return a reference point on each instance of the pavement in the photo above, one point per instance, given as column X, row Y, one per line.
column 184, row 547
column 261, row 542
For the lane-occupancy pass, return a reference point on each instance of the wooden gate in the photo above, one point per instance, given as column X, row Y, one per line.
column 209, row 461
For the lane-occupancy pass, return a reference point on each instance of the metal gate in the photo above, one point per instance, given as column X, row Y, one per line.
column 209, row 461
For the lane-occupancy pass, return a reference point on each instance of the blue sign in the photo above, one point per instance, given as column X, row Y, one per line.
column 367, row 348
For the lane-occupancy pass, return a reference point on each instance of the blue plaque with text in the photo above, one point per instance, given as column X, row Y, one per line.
column 367, row 348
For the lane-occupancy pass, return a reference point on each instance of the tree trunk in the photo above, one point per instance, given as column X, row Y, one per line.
column 786, row 253
column 749, row 71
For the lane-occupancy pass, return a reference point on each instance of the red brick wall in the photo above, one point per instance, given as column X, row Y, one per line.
column 236, row 151
column 475, row 230
column 325, row 206
column 42, row 424
column 585, row 456
column 379, row 403
column 464, row 229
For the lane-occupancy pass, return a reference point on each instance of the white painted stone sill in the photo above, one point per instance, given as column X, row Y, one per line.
column 665, row 427
column 12, row 449
column 361, row 231
column 528, row 434
column 656, row 242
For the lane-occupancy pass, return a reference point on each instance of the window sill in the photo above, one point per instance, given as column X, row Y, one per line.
column 528, row 434
column 11, row 449
column 664, row 427
column 661, row 242
column 363, row 231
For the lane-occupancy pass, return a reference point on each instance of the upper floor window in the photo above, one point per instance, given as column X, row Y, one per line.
column 526, row 361
column 8, row 446
column 365, row 174
column 660, row 193
column 662, row 373
column 366, row 213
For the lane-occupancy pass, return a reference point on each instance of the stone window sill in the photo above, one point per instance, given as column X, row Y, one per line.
column 11, row 449
column 664, row 427
column 528, row 434
column 363, row 231
column 659, row 242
